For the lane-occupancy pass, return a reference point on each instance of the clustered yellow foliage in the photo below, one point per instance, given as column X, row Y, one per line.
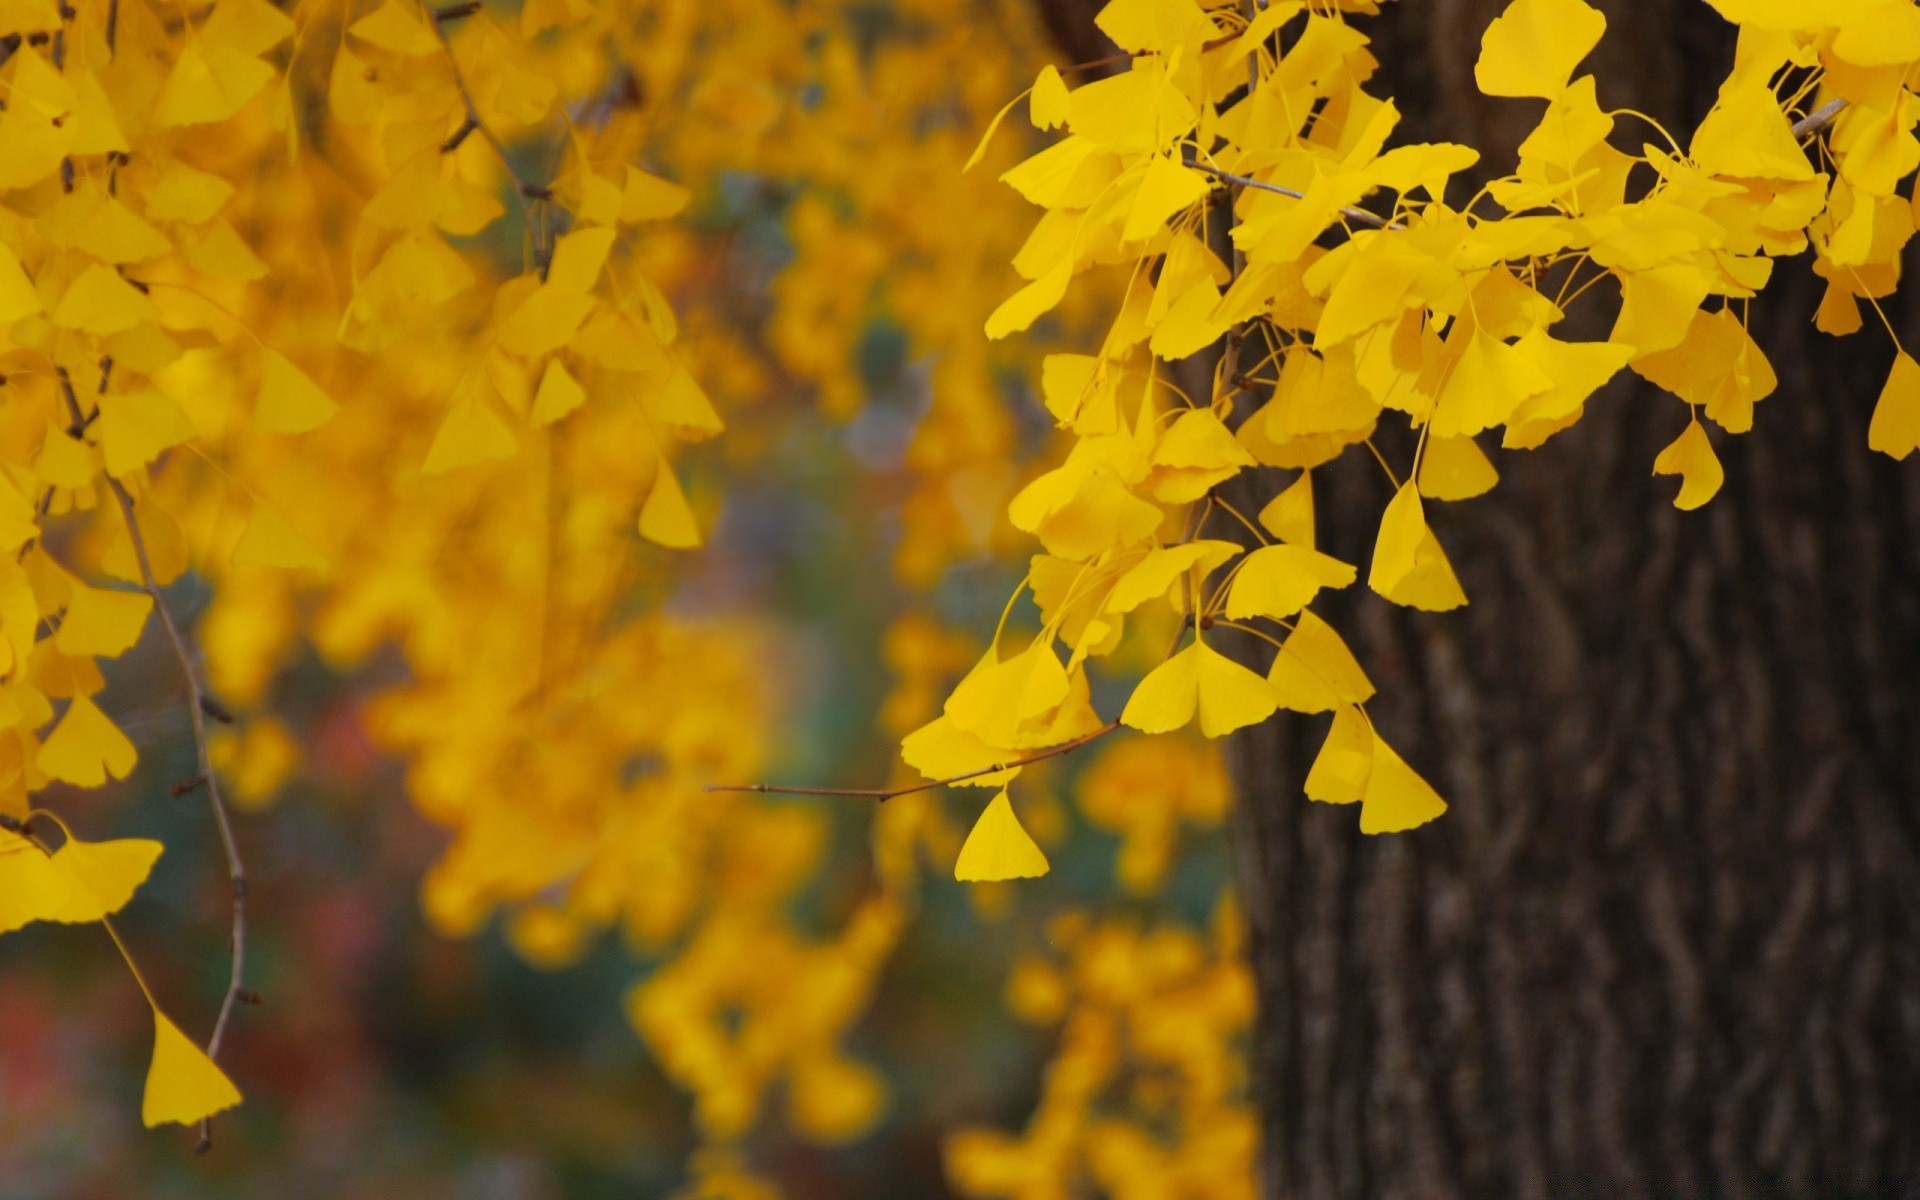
column 1145, row 1096
column 1234, row 175
column 369, row 315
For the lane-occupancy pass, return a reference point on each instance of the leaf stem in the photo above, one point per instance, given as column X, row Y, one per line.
column 882, row 795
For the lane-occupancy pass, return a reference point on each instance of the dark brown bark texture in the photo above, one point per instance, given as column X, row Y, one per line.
column 1667, row 940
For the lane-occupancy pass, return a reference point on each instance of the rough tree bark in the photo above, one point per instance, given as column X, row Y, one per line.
column 1667, row 941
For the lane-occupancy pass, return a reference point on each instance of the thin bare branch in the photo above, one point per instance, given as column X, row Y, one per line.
column 1819, row 118
column 885, row 794
column 522, row 188
column 199, row 704
column 1360, row 215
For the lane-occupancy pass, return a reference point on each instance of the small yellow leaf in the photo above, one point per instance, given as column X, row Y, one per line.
column 999, row 848
column 470, row 434
column 577, row 259
column 1027, row 305
column 1199, row 679
column 396, row 27
column 1409, row 567
column 559, row 394
column 289, row 400
column 101, row 302
column 183, row 1084
column 1279, row 581
column 270, row 540
column 1339, row 773
column 1532, row 48
column 209, row 85
column 184, row 194
column 544, row 321
column 1455, row 468
column 86, row 747
column 1165, row 189
column 17, row 297
column 1315, row 671
column 998, row 695
column 134, row 427
column 104, row 875
column 650, row 198
column 30, row 888
column 1691, row 457
column 1397, row 798
column 112, row 233
column 1289, row 516
column 219, row 251
column 666, row 518
column 941, row 749
column 1895, row 428
column 101, row 622
column 1048, row 102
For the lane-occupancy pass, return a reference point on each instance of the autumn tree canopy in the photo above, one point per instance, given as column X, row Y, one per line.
column 442, row 358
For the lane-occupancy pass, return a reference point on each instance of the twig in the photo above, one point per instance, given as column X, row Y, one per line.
column 1819, row 118
column 1352, row 214
column 885, row 794
column 522, row 189
column 199, row 704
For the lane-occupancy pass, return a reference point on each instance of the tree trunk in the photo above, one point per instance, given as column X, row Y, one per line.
column 1667, row 940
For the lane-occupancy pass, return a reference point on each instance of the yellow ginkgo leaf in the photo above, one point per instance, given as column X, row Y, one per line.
column 666, row 518
column 101, row 302
column 577, row 259
column 102, row 622
column 104, row 875
column 558, row 394
column 289, row 400
column 1199, row 679
column 1027, row 305
column 183, row 1084
column 134, row 427
column 1339, row 772
column 1315, row 671
column 545, row 321
column 1047, row 104
column 941, row 749
column 270, row 540
column 469, row 434
column 1532, row 47
column 1691, row 457
column 220, row 251
column 1289, row 515
column 1278, row 581
column 1153, row 575
column 1455, row 468
column 650, row 198
column 999, row 848
column 397, row 27
column 17, row 297
column 86, row 747
column 166, row 546
column 38, row 85
column 30, row 888
column 1409, row 567
column 1397, row 798
column 679, row 405
column 1895, row 428
column 1165, row 188
column 209, row 84
column 998, row 695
